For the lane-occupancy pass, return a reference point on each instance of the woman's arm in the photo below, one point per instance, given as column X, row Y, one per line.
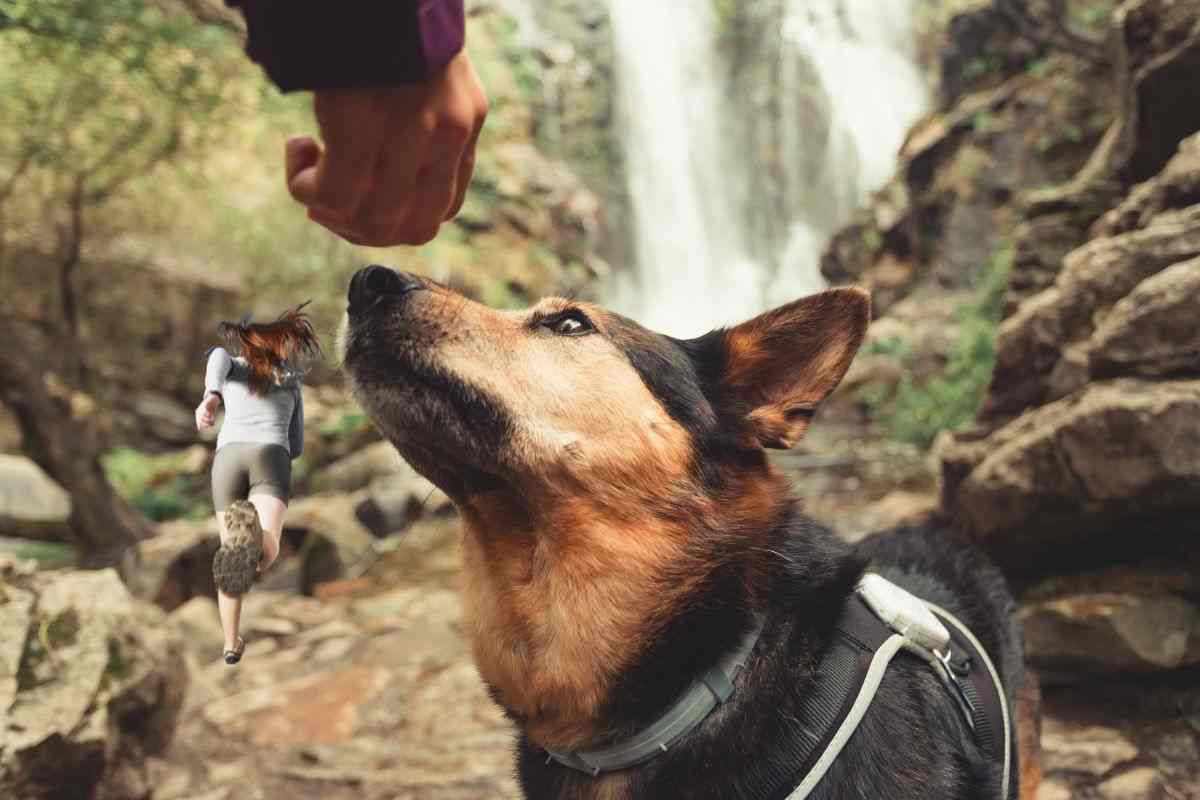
column 296, row 429
column 219, row 365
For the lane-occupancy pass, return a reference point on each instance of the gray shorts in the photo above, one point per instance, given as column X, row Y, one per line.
column 243, row 468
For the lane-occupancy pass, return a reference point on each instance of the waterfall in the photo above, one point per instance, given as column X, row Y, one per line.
column 736, row 187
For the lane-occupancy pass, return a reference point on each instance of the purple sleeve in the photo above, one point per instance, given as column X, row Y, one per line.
column 317, row 44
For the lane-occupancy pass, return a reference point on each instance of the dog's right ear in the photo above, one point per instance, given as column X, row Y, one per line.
column 780, row 365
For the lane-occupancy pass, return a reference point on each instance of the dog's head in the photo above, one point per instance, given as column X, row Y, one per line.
column 568, row 400
column 607, row 475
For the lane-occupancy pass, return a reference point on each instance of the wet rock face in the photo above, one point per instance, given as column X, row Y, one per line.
column 91, row 683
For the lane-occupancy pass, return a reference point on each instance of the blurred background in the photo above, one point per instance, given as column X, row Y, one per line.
column 1016, row 181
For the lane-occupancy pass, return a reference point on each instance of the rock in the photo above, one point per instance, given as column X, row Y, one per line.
column 1093, row 278
column 334, row 540
column 1091, row 749
column 164, row 418
column 1177, row 186
column 1136, row 784
column 176, row 565
column 1071, row 469
column 395, row 501
column 1077, row 638
column 1054, row 789
column 32, row 505
column 100, row 688
column 1152, row 331
column 323, row 708
column 16, row 611
column 199, row 626
column 357, row 470
column 195, row 459
column 10, row 432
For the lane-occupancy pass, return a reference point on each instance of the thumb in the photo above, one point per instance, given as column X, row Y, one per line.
column 301, row 154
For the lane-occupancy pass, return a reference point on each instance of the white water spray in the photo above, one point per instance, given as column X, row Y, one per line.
column 694, row 269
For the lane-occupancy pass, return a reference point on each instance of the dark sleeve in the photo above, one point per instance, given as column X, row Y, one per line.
column 317, row 44
column 296, row 428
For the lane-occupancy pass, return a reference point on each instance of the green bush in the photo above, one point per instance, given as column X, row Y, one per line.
column 155, row 485
column 917, row 410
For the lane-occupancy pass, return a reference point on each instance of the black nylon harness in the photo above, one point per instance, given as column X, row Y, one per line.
column 849, row 673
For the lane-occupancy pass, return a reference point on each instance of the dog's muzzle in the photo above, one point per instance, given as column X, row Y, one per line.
column 374, row 282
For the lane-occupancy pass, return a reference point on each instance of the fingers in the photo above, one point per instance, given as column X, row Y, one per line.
column 466, row 170
column 396, row 162
column 419, row 208
column 337, row 177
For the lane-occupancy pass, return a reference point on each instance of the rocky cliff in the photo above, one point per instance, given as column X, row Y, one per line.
column 1081, row 469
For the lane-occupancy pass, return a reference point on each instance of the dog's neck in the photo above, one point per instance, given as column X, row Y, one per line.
column 567, row 609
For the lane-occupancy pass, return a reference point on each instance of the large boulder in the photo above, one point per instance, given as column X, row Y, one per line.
column 1075, row 639
column 93, row 682
column 32, row 505
column 1066, row 473
column 1153, row 330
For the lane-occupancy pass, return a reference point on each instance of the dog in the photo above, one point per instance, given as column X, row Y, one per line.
column 623, row 528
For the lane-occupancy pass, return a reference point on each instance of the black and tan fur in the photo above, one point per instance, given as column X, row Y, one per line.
column 622, row 523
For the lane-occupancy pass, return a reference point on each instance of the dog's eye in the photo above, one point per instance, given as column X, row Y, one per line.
column 570, row 323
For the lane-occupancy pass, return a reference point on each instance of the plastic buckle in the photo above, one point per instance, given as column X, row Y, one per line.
column 954, row 673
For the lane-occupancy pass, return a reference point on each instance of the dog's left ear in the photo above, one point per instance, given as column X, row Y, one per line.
column 780, row 365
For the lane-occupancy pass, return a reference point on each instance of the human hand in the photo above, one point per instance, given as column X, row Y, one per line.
column 396, row 161
column 206, row 412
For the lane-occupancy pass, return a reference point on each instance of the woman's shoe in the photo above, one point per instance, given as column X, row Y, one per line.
column 235, row 564
column 234, row 656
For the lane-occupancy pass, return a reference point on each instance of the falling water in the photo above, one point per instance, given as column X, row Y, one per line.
column 692, row 181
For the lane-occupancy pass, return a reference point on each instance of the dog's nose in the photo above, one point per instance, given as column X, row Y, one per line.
column 375, row 281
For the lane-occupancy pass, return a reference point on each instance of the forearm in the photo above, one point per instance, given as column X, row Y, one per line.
column 311, row 44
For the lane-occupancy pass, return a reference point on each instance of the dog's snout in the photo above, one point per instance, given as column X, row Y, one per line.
column 376, row 281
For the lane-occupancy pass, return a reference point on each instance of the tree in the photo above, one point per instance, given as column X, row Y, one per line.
column 94, row 94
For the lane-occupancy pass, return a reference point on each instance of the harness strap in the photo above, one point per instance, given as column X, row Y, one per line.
column 991, row 720
column 844, row 673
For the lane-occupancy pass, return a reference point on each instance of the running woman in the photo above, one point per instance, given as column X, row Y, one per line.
column 257, row 380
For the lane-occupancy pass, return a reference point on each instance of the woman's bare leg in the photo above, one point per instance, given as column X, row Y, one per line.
column 229, row 608
column 270, row 515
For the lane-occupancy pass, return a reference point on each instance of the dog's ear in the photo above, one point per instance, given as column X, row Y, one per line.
column 780, row 365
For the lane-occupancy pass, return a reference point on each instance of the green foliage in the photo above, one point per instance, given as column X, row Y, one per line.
column 155, row 484
column 48, row 555
column 918, row 409
column 96, row 92
column 1093, row 14
column 872, row 239
column 345, row 424
column 1040, row 67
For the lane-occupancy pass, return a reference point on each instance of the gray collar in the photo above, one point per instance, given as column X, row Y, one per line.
column 705, row 693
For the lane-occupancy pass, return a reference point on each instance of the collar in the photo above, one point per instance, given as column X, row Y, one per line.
column 708, row 691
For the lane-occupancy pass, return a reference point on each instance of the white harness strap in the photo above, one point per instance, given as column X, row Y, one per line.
column 883, row 657
column 916, row 630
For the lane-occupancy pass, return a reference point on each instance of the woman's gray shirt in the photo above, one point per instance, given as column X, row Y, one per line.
column 276, row 417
